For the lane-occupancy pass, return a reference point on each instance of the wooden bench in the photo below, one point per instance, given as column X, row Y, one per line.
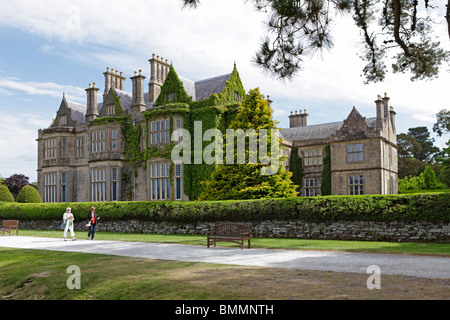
column 9, row 225
column 230, row 232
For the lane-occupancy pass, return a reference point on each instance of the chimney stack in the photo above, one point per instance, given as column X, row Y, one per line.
column 137, row 100
column 386, row 107
column 92, row 111
column 298, row 120
column 159, row 68
column 380, row 113
column 113, row 79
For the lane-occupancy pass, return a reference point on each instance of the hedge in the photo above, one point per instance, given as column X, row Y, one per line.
column 431, row 207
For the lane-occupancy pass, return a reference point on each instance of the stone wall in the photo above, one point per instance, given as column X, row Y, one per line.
column 338, row 230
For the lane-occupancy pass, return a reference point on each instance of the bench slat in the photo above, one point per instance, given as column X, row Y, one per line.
column 10, row 225
column 230, row 232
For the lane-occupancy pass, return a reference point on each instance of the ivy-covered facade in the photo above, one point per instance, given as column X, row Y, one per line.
column 120, row 148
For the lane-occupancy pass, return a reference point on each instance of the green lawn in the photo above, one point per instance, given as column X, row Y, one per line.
column 42, row 275
column 271, row 243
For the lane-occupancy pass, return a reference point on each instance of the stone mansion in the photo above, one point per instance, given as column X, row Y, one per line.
column 118, row 148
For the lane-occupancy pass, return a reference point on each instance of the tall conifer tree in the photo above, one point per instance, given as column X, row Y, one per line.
column 247, row 181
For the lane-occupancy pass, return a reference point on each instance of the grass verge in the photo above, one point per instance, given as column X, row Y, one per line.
column 42, row 275
column 442, row 249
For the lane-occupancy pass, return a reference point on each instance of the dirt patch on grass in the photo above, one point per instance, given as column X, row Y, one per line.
column 288, row 284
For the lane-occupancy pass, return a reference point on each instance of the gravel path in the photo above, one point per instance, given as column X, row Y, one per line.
column 392, row 264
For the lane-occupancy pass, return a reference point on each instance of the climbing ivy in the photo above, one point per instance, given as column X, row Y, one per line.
column 326, row 173
column 214, row 112
column 296, row 167
column 172, row 90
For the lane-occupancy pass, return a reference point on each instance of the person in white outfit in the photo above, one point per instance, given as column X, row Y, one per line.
column 68, row 219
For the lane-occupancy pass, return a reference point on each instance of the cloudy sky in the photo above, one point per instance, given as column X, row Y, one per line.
column 53, row 46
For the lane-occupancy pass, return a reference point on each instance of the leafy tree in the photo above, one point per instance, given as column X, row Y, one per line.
column 442, row 124
column 28, row 194
column 246, row 181
column 5, row 194
column 410, row 166
column 422, row 136
column 444, row 175
column 441, row 127
column 408, row 146
column 430, row 180
column 427, row 180
column 15, row 183
column 298, row 28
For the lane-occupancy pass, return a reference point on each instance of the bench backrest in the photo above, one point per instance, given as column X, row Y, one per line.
column 10, row 223
column 232, row 229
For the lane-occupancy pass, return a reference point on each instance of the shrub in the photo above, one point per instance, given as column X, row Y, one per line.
column 5, row 194
column 425, row 181
column 432, row 207
column 29, row 194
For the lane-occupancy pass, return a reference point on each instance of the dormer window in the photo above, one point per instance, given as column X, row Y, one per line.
column 63, row 120
column 111, row 110
column 171, row 97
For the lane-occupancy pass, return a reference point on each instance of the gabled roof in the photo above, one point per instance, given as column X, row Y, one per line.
column 325, row 130
column 204, row 88
column 77, row 111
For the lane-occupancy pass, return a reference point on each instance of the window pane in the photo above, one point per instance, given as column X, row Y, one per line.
column 349, row 148
column 153, row 189
column 168, row 188
column 114, row 191
column 178, row 188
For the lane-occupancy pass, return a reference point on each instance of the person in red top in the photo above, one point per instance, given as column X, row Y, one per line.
column 92, row 219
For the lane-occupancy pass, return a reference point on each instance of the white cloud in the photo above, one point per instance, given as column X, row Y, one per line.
column 11, row 86
column 18, row 152
column 205, row 42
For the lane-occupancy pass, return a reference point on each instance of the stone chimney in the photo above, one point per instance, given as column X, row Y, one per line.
column 113, row 79
column 298, row 119
column 159, row 68
column 137, row 100
column 386, row 107
column 380, row 113
column 92, row 111
column 392, row 115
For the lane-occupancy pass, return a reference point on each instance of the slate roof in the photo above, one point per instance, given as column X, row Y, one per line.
column 78, row 111
column 204, row 88
column 317, row 131
column 313, row 132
